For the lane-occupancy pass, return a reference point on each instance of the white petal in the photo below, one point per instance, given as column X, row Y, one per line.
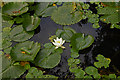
column 54, row 40
column 56, row 47
column 62, row 47
column 57, row 38
column 63, row 41
column 54, row 43
column 60, row 38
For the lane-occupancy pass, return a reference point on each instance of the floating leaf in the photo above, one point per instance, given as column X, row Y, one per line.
column 113, row 18
column 9, row 70
column 7, row 50
column 30, row 22
column 6, row 41
column 93, row 18
column 107, row 10
column 18, row 20
column 48, row 11
column 74, row 53
column 7, row 23
column 18, row 34
column 25, row 51
column 65, row 15
column 41, row 7
column 15, row 8
column 96, row 25
column 110, row 14
column 35, row 73
column 66, row 33
column 102, row 61
column 79, row 41
column 91, row 70
column 115, row 26
column 79, row 73
column 48, row 57
column 112, row 76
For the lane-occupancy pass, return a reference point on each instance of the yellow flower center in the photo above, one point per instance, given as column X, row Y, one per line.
column 54, row 4
column 58, row 41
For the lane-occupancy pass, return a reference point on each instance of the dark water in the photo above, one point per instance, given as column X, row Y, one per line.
column 107, row 43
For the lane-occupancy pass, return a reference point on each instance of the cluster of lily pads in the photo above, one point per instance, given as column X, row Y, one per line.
column 19, row 21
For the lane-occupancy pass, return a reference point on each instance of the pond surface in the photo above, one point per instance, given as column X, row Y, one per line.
column 107, row 43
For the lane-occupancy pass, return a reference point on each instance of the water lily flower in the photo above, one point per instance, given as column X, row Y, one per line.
column 58, row 43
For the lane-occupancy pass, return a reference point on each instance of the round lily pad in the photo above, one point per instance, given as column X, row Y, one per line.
column 25, row 51
column 15, row 8
column 79, row 41
column 18, row 34
column 66, row 15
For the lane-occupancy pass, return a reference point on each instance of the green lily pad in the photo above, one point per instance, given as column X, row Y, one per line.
column 6, row 41
column 79, row 73
column 107, row 10
column 65, row 15
column 79, row 41
column 41, row 7
column 30, row 22
column 7, row 23
column 15, row 8
column 18, row 34
column 35, row 73
column 113, row 18
column 111, row 4
column 25, row 51
column 92, row 71
column 102, row 61
column 112, row 76
column 18, row 20
column 7, row 50
column 48, row 57
column 66, row 33
column 9, row 70
column 48, row 11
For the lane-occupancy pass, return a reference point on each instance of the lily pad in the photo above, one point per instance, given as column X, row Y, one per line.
column 9, row 70
column 35, row 73
column 7, row 23
column 41, row 7
column 79, row 41
column 66, row 15
column 48, row 57
column 48, row 11
column 79, row 73
column 30, row 22
column 91, row 71
column 102, row 61
column 18, row 34
column 6, row 41
column 15, row 8
column 66, row 33
column 25, row 51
